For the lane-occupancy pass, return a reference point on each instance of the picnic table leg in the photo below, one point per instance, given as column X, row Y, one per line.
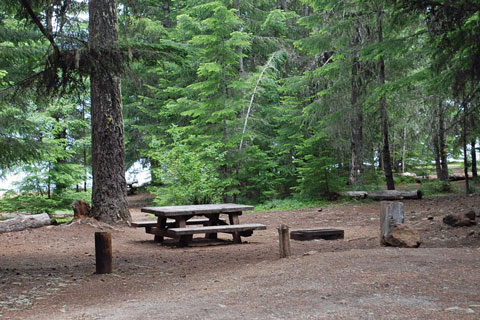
column 213, row 220
column 233, row 219
column 161, row 225
column 181, row 222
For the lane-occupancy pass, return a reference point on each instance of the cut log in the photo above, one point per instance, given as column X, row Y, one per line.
column 384, row 194
column 25, row 221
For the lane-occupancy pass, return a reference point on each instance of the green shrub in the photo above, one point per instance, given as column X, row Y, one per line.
column 289, row 204
column 370, row 177
column 403, row 180
column 435, row 187
column 36, row 203
column 186, row 176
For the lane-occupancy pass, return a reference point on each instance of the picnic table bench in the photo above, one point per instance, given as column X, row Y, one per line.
column 182, row 222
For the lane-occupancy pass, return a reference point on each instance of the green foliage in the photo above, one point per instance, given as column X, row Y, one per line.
column 289, row 204
column 30, row 202
column 433, row 188
column 188, row 176
column 404, row 180
column 275, row 23
column 262, row 100
column 370, row 179
column 318, row 173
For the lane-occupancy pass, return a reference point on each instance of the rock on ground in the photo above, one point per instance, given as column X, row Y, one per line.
column 404, row 236
column 460, row 220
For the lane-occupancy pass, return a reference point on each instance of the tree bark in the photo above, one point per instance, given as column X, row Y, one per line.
column 436, row 152
column 241, row 65
column 166, row 11
column 474, row 159
column 465, row 154
column 356, row 121
column 404, row 148
column 387, row 161
column 442, row 144
column 109, row 195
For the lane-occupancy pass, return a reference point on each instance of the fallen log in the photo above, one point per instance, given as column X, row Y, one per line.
column 457, row 177
column 354, row 194
column 384, row 194
column 25, row 221
column 394, row 194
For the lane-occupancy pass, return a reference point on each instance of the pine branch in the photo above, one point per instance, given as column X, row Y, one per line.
column 36, row 20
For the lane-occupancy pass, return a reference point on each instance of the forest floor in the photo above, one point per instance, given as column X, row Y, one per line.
column 48, row 273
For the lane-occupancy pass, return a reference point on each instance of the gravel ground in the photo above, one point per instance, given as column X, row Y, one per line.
column 48, row 273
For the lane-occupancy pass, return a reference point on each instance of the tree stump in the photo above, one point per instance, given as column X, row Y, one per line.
column 284, row 240
column 391, row 214
column 81, row 209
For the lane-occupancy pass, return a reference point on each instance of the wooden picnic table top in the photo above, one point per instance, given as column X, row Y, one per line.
column 200, row 209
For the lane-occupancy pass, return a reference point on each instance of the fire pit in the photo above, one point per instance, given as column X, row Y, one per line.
column 325, row 234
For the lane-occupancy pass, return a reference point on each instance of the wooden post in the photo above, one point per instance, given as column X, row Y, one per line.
column 103, row 252
column 233, row 219
column 284, row 240
column 391, row 214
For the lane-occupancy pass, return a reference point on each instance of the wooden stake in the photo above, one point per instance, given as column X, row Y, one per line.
column 103, row 252
column 284, row 240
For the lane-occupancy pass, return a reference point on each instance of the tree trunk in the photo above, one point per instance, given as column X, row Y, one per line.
column 387, row 161
column 465, row 154
column 109, row 195
column 436, row 151
column 356, row 122
column 166, row 11
column 241, row 65
column 442, row 144
column 282, row 4
column 474, row 159
column 404, row 148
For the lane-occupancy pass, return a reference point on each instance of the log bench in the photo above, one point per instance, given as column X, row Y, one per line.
column 186, row 234
column 171, row 223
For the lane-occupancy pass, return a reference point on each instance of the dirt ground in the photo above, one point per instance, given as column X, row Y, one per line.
column 48, row 273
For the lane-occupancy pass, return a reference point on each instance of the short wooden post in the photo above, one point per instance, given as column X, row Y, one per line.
column 391, row 214
column 284, row 240
column 103, row 252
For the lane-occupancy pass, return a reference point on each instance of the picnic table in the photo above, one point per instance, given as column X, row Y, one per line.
column 182, row 222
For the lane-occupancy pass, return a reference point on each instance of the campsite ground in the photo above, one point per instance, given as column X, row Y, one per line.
column 48, row 273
